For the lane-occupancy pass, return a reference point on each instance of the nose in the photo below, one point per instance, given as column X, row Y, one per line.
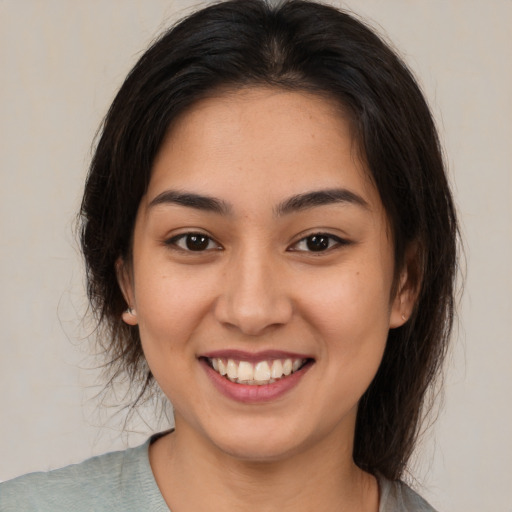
column 253, row 297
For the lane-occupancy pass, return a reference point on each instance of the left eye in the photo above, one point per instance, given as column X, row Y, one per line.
column 318, row 242
column 196, row 242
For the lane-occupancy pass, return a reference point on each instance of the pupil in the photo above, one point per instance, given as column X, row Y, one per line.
column 317, row 242
column 197, row 242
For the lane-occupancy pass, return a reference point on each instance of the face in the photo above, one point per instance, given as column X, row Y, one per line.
column 262, row 251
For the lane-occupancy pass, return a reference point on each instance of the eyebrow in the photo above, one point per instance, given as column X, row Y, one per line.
column 295, row 203
column 319, row 198
column 190, row 200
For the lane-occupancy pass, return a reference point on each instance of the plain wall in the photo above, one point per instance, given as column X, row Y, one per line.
column 61, row 63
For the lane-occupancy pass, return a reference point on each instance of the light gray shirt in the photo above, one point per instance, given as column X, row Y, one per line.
column 123, row 482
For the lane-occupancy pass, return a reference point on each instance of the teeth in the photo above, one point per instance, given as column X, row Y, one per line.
column 222, row 367
column 277, row 369
column 263, row 372
column 232, row 369
column 246, row 371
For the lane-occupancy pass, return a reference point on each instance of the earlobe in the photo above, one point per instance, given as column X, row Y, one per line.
column 407, row 292
column 129, row 316
column 125, row 281
column 402, row 307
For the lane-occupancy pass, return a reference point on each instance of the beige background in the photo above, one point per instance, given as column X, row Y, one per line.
column 60, row 65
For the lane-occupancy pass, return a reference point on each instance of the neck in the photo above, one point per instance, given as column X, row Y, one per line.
column 321, row 478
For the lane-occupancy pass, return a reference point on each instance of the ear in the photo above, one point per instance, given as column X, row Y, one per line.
column 408, row 288
column 125, row 281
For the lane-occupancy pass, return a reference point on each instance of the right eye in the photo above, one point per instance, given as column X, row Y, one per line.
column 195, row 242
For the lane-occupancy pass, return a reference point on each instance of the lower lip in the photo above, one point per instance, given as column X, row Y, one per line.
column 254, row 394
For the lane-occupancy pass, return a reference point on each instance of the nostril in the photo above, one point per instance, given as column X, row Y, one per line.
column 252, row 317
column 251, row 296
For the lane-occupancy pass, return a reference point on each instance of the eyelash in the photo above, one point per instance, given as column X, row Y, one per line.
column 174, row 242
column 332, row 242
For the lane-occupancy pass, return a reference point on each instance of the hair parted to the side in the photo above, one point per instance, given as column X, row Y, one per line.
column 303, row 46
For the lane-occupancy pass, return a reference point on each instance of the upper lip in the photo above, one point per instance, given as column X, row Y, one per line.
column 241, row 355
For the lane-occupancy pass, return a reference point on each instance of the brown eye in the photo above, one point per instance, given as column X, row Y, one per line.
column 317, row 242
column 197, row 242
column 193, row 242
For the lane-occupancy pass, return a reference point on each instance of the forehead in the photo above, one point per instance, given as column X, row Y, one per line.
column 267, row 140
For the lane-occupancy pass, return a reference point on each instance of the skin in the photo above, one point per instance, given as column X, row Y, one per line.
column 257, row 287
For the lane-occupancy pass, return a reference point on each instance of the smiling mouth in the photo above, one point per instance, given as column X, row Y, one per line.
column 259, row 373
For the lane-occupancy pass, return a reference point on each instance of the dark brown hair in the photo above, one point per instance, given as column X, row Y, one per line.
column 305, row 46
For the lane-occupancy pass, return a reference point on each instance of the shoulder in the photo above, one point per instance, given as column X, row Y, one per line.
column 114, row 481
column 399, row 497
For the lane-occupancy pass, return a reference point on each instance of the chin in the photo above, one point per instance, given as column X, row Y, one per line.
column 265, row 441
column 259, row 449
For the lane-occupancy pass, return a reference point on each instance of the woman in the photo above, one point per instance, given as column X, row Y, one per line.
column 270, row 237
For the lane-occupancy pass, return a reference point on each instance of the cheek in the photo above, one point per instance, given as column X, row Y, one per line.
column 350, row 313
column 350, row 300
column 169, row 309
column 170, row 305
